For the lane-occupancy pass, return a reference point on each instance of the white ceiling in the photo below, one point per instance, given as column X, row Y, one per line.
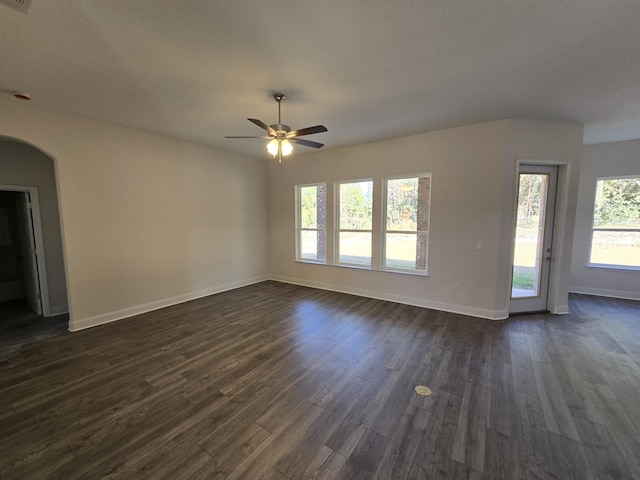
column 367, row 69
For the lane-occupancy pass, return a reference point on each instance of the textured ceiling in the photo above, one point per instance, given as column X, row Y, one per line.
column 366, row 69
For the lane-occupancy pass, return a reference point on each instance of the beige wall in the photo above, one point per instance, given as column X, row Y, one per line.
column 549, row 143
column 146, row 220
column 603, row 160
column 24, row 165
column 473, row 197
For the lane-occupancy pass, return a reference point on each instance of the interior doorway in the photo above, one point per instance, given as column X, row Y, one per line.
column 537, row 186
column 23, row 268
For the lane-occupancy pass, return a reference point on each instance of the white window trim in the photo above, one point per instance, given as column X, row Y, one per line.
column 384, row 231
column 597, row 229
column 300, row 229
column 338, row 231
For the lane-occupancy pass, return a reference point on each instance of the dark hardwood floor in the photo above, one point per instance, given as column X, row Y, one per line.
column 20, row 327
column 282, row 382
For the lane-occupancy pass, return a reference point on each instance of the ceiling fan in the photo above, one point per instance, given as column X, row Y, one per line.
column 281, row 135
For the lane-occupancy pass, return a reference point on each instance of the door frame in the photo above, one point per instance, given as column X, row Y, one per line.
column 562, row 234
column 37, row 233
column 539, row 302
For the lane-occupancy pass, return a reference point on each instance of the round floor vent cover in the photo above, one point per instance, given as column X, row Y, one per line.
column 422, row 390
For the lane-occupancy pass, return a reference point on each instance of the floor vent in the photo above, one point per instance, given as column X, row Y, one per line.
column 20, row 5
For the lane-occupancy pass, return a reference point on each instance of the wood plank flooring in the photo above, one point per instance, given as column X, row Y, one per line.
column 20, row 327
column 276, row 381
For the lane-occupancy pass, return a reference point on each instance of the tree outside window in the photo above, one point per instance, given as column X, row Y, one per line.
column 407, row 223
column 615, row 239
column 311, row 238
column 355, row 213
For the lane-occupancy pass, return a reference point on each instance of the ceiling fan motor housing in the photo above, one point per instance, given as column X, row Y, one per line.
column 280, row 128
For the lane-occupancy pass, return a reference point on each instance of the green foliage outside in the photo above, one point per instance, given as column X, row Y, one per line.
column 356, row 205
column 523, row 277
column 617, row 206
column 617, row 203
column 309, row 207
column 402, row 204
column 531, row 194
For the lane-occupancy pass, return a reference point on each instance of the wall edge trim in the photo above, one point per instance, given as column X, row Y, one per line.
column 560, row 309
column 84, row 323
column 601, row 292
column 416, row 302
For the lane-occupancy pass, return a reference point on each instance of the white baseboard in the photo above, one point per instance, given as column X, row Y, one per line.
column 58, row 310
column 81, row 324
column 601, row 292
column 561, row 310
column 417, row 302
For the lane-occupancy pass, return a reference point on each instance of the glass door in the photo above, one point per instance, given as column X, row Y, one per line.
column 534, row 232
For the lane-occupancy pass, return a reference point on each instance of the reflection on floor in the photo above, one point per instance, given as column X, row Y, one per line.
column 20, row 327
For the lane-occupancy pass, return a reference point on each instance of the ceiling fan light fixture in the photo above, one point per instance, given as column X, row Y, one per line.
column 281, row 137
column 286, row 148
column 272, row 147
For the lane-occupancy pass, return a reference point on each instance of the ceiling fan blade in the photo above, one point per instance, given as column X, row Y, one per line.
column 306, row 143
column 244, row 137
column 262, row 125
column 307, row 131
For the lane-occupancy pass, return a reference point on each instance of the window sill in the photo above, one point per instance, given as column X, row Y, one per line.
column 404, row 272
column 361, row 267
column 320, row 262
column 613, row 267
column 313, row 262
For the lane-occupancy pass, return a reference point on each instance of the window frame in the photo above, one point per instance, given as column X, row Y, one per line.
column 594, row 229
column 384, row 231
column 338, row 230
column 300, row 229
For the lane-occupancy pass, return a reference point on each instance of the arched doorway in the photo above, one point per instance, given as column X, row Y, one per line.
column 32, row 266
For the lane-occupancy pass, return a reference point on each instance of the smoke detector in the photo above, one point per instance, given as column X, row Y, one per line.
column 20, row 5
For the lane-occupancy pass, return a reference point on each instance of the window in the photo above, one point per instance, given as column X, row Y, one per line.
column 311, row 222
column 399, row 234
column 406, row 223
column 615, row 239
column 354, row 207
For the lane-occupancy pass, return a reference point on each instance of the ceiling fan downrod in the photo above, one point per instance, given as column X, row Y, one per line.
column 279, row 97
column 281, row 130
